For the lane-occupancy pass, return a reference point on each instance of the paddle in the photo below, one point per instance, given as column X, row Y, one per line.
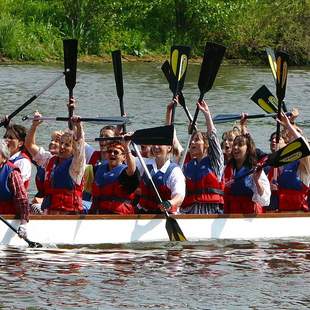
column 295, row 150
column 153, row 136
column 178, row 65
column 70, row 62
column 212, row 58
column 118, row 120
column 265, row 100
column 30, row 243
column 34, row 97
column 223, row 118
column 173, row 229
column 272, row 62
column 166, row 70
column 282, row 59
column 118, row 74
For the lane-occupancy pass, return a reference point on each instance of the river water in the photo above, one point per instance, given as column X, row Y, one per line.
column 212, row 275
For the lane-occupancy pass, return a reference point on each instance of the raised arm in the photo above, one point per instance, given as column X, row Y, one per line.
column 203, row 107
column 30, row 140
column 130, row 159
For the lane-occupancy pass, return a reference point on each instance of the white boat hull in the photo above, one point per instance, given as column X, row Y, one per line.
column 113, row 229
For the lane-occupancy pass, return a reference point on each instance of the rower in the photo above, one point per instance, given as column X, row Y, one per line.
column 115, row 181
column 203, row 173
column 63, row 184
column 248, row 194
column 15, row 139
column 13, row 195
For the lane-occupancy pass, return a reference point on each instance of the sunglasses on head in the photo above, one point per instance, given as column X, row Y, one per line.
column 115, row 152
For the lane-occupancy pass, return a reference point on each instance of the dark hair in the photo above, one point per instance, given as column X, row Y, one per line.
column 19, row 131
column 251, row 159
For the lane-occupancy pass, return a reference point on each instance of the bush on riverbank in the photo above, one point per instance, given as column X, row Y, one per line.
column 33, row 29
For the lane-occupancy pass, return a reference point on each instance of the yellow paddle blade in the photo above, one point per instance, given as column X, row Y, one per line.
column 291, row 147
column 265, row 106
column 183, row 66
column 174, row 61
column 284, row 74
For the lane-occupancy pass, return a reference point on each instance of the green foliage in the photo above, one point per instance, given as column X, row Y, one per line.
column 34, row 29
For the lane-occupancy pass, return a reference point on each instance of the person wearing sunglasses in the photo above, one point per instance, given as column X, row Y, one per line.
column 115, row 181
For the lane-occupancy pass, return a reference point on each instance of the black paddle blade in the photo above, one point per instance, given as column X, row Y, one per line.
column 178, row 65
column 154, row 136
column 173, row 229
column 165, row 68
column 34, row 245
column 70, row 61
column 265, row 100
column 291, row 152
column 212, row 58
column 118, row 73
column 282, row 60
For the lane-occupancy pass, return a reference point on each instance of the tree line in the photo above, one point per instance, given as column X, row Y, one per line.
column 34, row 29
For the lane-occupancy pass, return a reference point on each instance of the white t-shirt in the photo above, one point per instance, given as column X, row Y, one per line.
column 24, row 166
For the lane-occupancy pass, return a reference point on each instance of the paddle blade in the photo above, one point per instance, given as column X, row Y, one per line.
column 178, row 65
column 212, row 58
column 157, row 135
column 173, row 229
column 291, row 152
column 265, row 100
column 281, row 60
column 165, row 68
column 118, row 73
column 70, row 62
column 272, row 62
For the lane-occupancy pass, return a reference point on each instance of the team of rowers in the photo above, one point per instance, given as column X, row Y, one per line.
column 74, row 178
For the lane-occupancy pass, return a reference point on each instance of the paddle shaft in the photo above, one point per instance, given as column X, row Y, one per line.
column 116, row 121
column 30, row 243
column 34, row 97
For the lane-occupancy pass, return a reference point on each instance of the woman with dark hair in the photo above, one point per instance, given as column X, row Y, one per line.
column 203, row 173
column 15, row 138
column 245, row 194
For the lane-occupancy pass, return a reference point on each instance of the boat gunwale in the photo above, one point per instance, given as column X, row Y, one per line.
column 161, row 216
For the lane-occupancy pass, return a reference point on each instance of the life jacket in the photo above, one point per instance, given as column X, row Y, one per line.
column 149, row 199
column 61, row 192
column 23, row 154
column 108, row 193
column 202, row 184
column 39, row 179
column 7, row 205
column 95, row 158
column 292, row 192
column 238, row 196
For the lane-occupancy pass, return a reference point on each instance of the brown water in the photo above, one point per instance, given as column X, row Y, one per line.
column 214, row 275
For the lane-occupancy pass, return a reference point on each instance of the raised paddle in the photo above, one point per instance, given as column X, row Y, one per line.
column 70, row 62
column 281, row 59
column 212, row 58
column 265, row 100
column 118, row 120
column 223, row 118
column 173, row 229
column 34, row 97
column 179, row 56
column 166, row 70
column 293, row 151
column 118, row 75
column 272, row 62
column 153, row 136
column 31, row 244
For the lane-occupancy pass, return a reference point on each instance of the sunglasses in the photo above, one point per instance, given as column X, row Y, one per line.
column 115, row 152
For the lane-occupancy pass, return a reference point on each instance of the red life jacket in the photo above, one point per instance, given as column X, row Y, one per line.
column 108, row 193
column 238, row 196
column 202, row 184
column 23, row 154
column 61, row 192
column 7, row 205
column 292, row 192
column 95, row 158
column 148, row 199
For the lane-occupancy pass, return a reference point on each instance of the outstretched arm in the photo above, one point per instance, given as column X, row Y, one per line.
column 30, row 140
